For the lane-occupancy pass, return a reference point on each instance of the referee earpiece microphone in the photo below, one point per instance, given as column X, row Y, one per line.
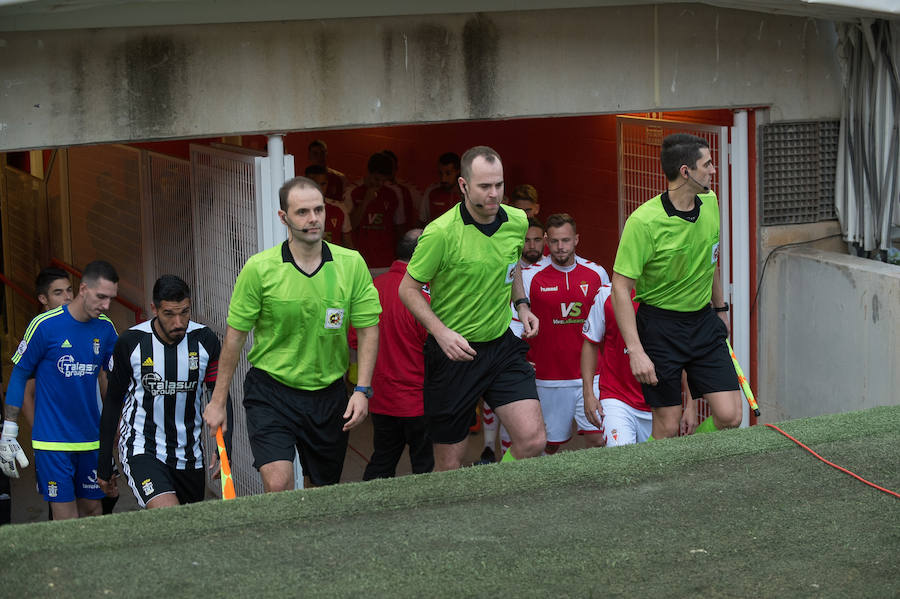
column 466, row 190
column 284, row 222
column 688, row 173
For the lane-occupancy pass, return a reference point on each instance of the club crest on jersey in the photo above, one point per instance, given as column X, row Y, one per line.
column 147, row 486
column 52, row 488
column 510, row 269
column 334, row 318
column 584, row 287
column 96, row 347
column 193, row 361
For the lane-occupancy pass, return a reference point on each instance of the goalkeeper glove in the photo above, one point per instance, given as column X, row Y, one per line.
column 10, row 450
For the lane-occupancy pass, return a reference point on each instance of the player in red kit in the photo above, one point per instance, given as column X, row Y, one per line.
column 561, row 294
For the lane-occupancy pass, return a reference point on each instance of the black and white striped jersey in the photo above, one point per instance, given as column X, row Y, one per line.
column 157, row 389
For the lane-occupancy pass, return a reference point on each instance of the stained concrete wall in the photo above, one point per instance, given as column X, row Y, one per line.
column 829, row 334
column 90, row 86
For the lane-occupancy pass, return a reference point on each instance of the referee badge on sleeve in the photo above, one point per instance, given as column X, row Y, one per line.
column 334, row 318
column 715, row 253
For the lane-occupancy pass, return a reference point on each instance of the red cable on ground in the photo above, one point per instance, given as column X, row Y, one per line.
column 844, row 470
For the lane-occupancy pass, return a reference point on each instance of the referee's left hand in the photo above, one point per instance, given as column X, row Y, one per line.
column 357, row 410
column 529, row 322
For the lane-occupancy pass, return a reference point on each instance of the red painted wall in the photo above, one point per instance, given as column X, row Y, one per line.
column 570, row 160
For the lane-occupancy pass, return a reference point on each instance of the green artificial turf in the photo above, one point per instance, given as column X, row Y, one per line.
column 742, row 513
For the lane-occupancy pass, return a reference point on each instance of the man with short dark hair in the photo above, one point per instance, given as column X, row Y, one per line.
column 396, row 406
column 439, row 197
column 470, row 257
column 53, row 287
column 535, row 242
column 669, row 254
column 158, row 369
column 298, row 299
column 376, row 215
column 68, row 349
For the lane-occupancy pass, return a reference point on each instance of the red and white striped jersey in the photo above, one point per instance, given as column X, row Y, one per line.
column 561, row 298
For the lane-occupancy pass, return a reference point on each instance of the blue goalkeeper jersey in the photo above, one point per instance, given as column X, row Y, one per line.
column 65, row 356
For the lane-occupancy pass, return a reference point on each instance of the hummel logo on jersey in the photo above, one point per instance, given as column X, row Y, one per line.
column 147, row 362
column 554, row 288
column 66, row 343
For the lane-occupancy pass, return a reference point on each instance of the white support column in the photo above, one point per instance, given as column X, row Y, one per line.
column 740, row 231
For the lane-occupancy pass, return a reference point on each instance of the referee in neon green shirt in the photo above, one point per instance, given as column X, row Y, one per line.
column 299, row 298
column 470, row 257
column 669, row 254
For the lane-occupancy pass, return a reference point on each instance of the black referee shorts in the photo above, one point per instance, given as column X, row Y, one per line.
column 690, row 341
column 280, row 418
column 500, row 374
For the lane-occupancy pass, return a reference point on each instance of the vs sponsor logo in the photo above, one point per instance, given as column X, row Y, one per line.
column 570, row 310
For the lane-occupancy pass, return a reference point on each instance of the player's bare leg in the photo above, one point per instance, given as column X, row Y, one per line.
column 666, row 421
column 449, row 456
column 525, row 423
column 277, row 476
column 726, row 408
column 67, row 510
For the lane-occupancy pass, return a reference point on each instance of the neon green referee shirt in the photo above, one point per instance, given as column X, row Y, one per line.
column 470, row 272
column 300, row 320
column 671, row 255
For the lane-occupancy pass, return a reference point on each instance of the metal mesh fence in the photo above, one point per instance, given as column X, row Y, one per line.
column 640, row 175
column 224, row 224
column 169, row 187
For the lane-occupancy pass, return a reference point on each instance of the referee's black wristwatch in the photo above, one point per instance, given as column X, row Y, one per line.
column 367, row 391
column 721, row 309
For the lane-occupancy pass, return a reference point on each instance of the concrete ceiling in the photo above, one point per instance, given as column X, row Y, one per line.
column 37, row 15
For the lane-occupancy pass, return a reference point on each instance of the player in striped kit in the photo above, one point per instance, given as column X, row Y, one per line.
column 158, row 369
column 561, row 294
